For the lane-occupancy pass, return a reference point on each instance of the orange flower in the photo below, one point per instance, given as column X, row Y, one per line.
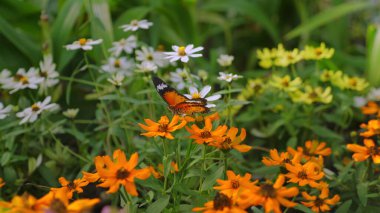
column 230, row 141
column 321, row 203
column 201, row 118
column 93, row 177
column 371, row 108
column 235, row 184
column 221, row 204
column 312, row 149
column 20, row 204
column 70, row 187
column 373, row 128
column 163, row 128
column 271, row 196
column 2, row 183
column 121, row 172
column 280, row 159
column 160, row 172
column 364, row 152
column 307, row 174
column 206, row 135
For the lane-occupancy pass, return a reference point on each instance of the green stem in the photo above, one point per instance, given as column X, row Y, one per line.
column 229, row 109
column 203, row 169
column 164, row 146
column 225, row 160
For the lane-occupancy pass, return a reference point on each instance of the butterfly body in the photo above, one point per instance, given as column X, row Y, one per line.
column 178, row 103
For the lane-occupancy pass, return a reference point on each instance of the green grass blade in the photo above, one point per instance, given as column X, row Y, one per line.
column 328, row 16
column 373, row 64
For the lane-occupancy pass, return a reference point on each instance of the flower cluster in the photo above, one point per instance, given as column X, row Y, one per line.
column 343, row 81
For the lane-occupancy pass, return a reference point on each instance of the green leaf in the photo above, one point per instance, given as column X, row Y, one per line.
column 20, row 40
column 303, row 208
column 326, row 133
column 210, row 179
column 327, row 16
column 5, row 158
column 159, row 204
column 362, row 190
column 345, row 207
column 373, row 51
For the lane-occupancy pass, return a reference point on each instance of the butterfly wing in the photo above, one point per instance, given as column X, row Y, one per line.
column 189, row 108
column 168, row 93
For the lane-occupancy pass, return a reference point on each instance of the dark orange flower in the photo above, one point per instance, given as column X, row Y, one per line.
column 163, row 127
column 231, row 141
column 364, row 152
column 70, row 187
column 280, row 159
column 221, row 204
column 312, row 149
column 2, row 183
column 373, row 128
column 201, row 118
column 307, row 174
column 235, row 184
column 271, row 196
column 321, row 203
column 20, row 204
column 93, row 177
column 121, row 172
column 371, row 108
column 206, row 134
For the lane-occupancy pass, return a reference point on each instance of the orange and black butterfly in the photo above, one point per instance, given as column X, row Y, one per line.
column 178, row 103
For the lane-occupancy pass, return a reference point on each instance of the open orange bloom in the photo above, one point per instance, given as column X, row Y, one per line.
column 307, row 174
column 235, row 184
column 231, row 141
column 2, row 183
column 206, row 134
column 271, row 196
column 371, row 108
column 93, row 177
column 280, row 159
column 321, row 203
column 364, row 152
column 163, row 127
column 20, row 204
column 70, row 187
column 312, row 149
column 373, row 128
column 121, row 172
column 221, row 204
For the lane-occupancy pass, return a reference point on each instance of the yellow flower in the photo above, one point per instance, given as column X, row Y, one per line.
column 316, row 94
column 355, row 83
column 285, row 83
column 335, row 77
column 317, row 53
column 266, row 58
column 286, row 58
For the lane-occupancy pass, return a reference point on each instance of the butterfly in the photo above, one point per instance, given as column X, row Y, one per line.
column 178, row 103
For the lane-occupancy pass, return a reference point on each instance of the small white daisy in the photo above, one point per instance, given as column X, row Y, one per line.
column 374, row 94
column 119, row 65
column 22, row 80
column 48, row 73
column 83, row 43
column 137, row 24
column 194, row 94
column 4, row 112
column 31, row 113
column 181, row 79
column 126, row 45
column 183, row 53
column 116, row 79
column 148, row 54
column 146, row 66
column 71, row 113
column 225, row 60
column 228, row 76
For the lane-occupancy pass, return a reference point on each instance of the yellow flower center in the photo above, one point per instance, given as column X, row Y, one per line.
column 82, row 41
column 35, row 108
column 318, row 51
column 21, row 78
column 267, row 190
column 181, row 51
column 149, row 57
column 205, row 134
column 117, row 63
column 135, row 23
column 221, row 201
column 285, row 83
column 196, row 95
column 122, row 174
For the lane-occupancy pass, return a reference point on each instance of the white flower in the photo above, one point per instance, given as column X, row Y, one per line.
column 71, row 113
column 31, row 113
column 228, row 76
column 181, row 79
column 136, row 24
column 374, row 94
column 119, row 65
column 48, row 73
column 146, row 66
column 359, row 101
column 4, row 112
column 22, row 80
column 4, row 75
column 116, row 79
column 225, row 60
column 148, row 54
column 194, row 94
column 124, row 44
column 83, row 43
column 183, row 53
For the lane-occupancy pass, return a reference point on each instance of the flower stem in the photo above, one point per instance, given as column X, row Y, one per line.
column 225, row 159
column 203, row 166
column 164, row 160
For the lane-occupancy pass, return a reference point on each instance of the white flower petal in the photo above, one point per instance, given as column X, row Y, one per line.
column 205, row 91
column 213, row 97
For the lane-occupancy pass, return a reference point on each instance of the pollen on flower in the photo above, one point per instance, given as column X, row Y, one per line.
column 82, row 41
column 196, row 95
column 181, row 51
column 122, row 174
column 21, row 78
column 35, row 108
column 117, row 63
column 135, row 23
